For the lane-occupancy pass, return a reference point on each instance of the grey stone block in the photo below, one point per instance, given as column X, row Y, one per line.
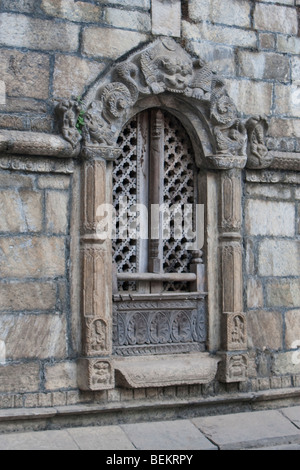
column 101, row 438
column 168, row 435
column 247, row 430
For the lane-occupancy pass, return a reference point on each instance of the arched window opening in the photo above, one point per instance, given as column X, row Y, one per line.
column 158, row 305
column 141, row 190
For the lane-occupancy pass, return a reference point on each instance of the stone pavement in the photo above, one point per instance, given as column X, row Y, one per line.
column 262, row 430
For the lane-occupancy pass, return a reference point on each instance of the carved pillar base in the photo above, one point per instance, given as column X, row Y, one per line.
column 233, row 367
column 95, row 374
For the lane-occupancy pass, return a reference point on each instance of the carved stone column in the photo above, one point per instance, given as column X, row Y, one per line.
column 233, row 322
column 95, row 367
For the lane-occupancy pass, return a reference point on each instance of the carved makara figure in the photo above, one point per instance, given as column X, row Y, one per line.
column 231, row 140
column 96, row 129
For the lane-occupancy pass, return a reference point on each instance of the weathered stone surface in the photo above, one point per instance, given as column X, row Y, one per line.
column 219, row 34
column 234, row 12
column 25, row 74
column 33, row 336
column 295, row 68
column 283, row 293
column 110, row 43
column 20, row 104
column 33, row 33
column 16, row 181
column 23, row 6
column 20, row 296
column 21, row 211
column 255, row 296
column 61, row 375
column 268, row 191
column 168, row 435
column 286, row 363
column 53, row 182
column 221, row 58
column 146, row 4
column 265, row 329
column 11, row 121
column 101, row 438
column 72, row 75
column 275, row 18
column 290, row 44
column 20, row 377
column 166, row 17
column 284, row 127
column 72, row 10
column 22, row 257
column 270, row 218
column 57, row 212
column 267, row 41
column 247, row 430
column 283, row 2
column 263, row 65
column 251, row 97
column 135, row 20
column 292, row 322
column 279, row 258
column 287, row 99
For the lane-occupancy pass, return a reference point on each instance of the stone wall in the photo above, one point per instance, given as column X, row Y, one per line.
column 56, row 49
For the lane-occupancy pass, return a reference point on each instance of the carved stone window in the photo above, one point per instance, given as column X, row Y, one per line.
column 134, row 146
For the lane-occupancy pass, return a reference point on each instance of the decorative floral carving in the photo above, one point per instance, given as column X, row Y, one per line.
column 165, row 323
column 223, row 110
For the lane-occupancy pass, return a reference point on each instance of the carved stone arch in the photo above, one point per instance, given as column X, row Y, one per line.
column 163, row 75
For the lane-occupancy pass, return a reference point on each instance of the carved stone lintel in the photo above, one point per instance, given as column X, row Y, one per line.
column 36, row 143
column 95, row 374
column 233, row 367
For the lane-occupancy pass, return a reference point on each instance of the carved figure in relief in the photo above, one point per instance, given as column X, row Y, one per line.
column 237, row 367
column 96, row 129
column 98, row 336
column 258, row 155
column 238, row 330
column 101, row 373
column 166, row 67
column 232, row 140
column 68, row 112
